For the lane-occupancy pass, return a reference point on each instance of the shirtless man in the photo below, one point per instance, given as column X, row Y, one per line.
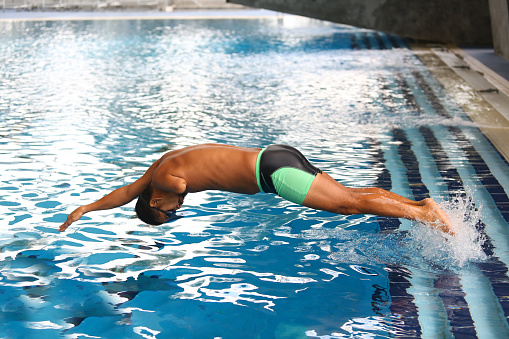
column 278, row 169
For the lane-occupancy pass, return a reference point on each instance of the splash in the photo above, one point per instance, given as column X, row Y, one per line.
column 453, row 251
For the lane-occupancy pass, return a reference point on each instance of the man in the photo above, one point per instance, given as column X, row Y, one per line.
column 278, row 169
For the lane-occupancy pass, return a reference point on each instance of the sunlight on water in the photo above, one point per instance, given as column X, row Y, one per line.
column 86, row 107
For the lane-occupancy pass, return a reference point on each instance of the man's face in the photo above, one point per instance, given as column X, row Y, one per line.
column 168, row 203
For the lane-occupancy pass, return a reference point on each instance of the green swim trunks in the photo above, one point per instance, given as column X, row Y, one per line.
column 283, row 170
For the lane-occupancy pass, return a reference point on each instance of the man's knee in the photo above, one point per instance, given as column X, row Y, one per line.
column 350, row 203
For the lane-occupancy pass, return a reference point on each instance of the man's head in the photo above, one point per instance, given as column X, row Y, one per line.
column 155, row 207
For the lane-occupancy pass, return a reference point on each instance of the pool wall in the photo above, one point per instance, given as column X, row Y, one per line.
column 456, row 21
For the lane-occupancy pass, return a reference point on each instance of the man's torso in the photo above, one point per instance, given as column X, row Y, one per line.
column 214, row 167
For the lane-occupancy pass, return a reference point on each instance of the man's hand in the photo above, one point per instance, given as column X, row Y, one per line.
column 74, row 216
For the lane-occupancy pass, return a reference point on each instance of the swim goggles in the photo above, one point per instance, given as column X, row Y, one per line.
column 169, row 214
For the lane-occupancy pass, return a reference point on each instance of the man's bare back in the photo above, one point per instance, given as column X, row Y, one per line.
column 211, row 167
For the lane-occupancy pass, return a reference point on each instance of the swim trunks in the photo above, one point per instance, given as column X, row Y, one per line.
column 283, row 170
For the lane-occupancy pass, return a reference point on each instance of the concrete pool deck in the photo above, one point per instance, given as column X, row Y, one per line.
column 479, row 87
column 14, row 15
column 476, row 78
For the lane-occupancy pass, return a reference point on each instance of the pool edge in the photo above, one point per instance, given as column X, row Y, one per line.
column 138, row 15
column 481, row 93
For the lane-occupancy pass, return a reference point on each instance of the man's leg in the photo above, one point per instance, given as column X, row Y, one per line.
column 329, row 195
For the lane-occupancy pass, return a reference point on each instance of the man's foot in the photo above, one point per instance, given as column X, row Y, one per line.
column 436, row 217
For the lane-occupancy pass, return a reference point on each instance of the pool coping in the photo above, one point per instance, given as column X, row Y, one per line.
column 249, row 13
column 480, row 91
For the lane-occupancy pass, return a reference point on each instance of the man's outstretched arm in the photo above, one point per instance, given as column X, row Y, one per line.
column 118, row 197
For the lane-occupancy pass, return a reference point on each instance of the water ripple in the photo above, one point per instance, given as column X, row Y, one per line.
column 87, row 106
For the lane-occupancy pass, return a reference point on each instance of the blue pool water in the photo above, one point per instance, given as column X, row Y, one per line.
column 87, row 106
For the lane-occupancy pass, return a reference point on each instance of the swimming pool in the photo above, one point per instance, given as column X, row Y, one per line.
column 87, row 106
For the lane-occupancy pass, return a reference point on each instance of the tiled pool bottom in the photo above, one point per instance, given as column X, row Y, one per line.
column 87, row 106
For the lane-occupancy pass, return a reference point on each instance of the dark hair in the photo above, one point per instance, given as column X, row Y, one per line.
column 143, row 210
